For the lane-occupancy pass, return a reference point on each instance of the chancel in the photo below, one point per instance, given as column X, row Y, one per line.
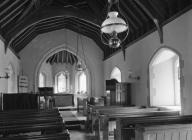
column 63, row 74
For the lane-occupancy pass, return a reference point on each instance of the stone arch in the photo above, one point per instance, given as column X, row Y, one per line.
column 56, row 50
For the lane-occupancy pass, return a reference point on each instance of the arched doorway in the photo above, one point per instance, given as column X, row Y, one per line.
column 164, row 79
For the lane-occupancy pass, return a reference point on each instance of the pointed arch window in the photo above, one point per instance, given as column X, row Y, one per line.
column 164, row 77
column 81, row 80
column 116, row 74
column 11, row 79
column 62, row 82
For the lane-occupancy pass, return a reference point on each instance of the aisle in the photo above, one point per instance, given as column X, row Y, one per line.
column 80, row 135
column 76, row 125
column 72, row 116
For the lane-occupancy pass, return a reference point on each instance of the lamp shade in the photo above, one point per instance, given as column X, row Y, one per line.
column 113, row 24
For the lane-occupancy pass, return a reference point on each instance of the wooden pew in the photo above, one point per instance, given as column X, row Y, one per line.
column 93, row 112
column 15, row 122
column 103, row 120
column 98, row 110
column 57, row 136
column 28, row 113
column 173, row 127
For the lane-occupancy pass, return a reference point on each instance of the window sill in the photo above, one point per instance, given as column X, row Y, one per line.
column 171, row 108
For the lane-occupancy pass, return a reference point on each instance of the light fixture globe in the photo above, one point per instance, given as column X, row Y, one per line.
column 114, row 29
column 113, row 24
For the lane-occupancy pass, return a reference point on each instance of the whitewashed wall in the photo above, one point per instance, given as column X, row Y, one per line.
column 47, row 70
column 33, row 53
column 177, row 35
column 7, row 59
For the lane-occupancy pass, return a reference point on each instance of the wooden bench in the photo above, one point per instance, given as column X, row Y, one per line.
column 94, row 111
column 103, row 120
column 16, row 122
column 155, row 128
column 57, row 136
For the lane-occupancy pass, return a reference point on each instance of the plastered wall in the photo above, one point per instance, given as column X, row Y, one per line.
column 178, row 36
column 34, row 52
column 6, row 60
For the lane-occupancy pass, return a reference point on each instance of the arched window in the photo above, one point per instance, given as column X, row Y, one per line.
column 81, row 80
column 42, row 80
column 116, row 74
column 62, row 82
column 164, row 75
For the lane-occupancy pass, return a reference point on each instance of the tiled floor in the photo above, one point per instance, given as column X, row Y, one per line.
column 80, row 135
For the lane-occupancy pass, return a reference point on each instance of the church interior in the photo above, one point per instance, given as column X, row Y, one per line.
column 96, row 70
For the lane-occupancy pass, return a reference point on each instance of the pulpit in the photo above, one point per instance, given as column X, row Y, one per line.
column 120, row 93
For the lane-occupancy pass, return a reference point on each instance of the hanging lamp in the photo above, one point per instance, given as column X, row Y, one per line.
column 79, row 64
column 114, row 26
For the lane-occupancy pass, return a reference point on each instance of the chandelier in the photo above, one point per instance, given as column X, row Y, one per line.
column 79, row 65
column 114, row 25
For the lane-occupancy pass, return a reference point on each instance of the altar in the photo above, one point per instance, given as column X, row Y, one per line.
column 49, row 101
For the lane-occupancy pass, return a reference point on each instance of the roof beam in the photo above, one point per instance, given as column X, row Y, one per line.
column 10, row 19
column 9, row 7
column 4, row 2
column 159, row 14
column 95, row 6
column 50, row 13
column 27, row 10
column 124, row 4
column 159, row 28
column 143, row 16
column 13, row 11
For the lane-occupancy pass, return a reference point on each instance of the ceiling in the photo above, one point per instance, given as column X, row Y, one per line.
column 23, row 20
column 62, row 57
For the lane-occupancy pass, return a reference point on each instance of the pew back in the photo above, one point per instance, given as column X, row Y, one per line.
column 103, row 121
column 25, row 121
column 156, row 127
column 164, row 132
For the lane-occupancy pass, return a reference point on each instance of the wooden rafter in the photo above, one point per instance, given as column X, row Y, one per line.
column 156, row 22
column 131, row 13
column 22, row 20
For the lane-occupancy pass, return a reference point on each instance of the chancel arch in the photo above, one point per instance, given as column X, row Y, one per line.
column 165, row 78
column 72, row 86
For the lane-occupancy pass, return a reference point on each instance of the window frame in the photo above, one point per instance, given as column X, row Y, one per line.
column 77, row 79
column 67, row 81
column 44, row 79
column 155, row 54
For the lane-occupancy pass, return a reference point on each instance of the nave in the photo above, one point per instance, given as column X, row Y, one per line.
column 95, row 69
